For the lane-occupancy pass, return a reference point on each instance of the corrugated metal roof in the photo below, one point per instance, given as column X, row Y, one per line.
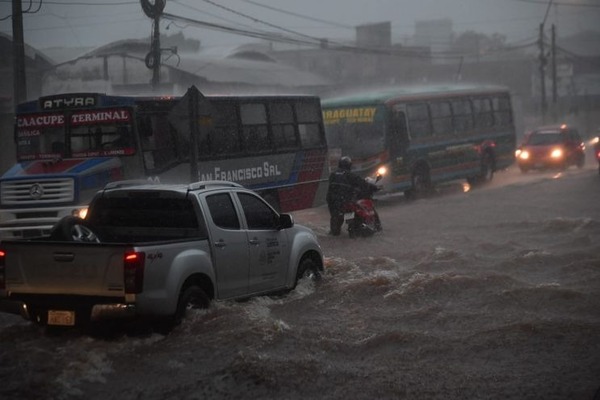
column 231, row 65
column 243, row 70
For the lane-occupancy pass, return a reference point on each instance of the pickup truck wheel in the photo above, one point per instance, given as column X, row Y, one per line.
column 192, row 297
column 308, row 269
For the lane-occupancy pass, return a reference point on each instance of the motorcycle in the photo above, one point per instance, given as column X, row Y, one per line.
column 360, row 215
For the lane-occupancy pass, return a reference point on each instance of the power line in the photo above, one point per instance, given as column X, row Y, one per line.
column 27, row 11
column 298, row 15
column 69, row 3
column 207, row 13
column 544, row 2
column 340, row 47
column 259, row 20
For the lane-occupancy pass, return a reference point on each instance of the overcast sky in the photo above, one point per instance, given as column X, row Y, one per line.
column 75, row 23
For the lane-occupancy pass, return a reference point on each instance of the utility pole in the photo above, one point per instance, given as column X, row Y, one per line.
column 18, row 50
column 155, row 49
column 544, row 105
column 554, row 83
column 154, row 9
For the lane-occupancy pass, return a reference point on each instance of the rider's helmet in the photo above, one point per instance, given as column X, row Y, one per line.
column 345, row 163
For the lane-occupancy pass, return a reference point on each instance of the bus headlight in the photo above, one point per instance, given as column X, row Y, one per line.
column 382, row 171
column 80, row 212
column 556, row 153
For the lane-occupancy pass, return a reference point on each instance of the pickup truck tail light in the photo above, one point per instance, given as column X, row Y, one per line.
column 133, row 270
column 2, row 270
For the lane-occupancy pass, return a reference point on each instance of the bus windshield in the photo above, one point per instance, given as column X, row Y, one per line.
column 361, row 136
column 90, row 133
column 40, row 136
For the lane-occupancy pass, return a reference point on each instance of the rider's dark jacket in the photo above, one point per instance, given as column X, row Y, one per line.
column 343, row 186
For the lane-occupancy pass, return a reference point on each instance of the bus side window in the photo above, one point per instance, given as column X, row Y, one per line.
column 158, row 141
column 281, row 116
column 418, row 120
column 482, row 110
column 254, row 127
column 310, row 135
column 223, row 137
column 463, row 116
column 309, row 119
column 398, row 133
column 441, row 118
column 223, row 140
column 502, row 112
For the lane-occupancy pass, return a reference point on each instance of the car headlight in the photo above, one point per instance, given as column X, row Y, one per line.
column 556, row 153
column 523, row 155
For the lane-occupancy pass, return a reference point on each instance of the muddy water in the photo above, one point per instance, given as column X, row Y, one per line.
column 462, row 296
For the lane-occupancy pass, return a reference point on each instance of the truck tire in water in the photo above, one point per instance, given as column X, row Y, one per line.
column 192, row 297
column 308, row 268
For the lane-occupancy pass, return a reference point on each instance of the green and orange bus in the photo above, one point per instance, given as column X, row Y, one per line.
column 423, row 135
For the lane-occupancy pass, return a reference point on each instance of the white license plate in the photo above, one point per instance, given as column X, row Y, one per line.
column 349, row 215
column 59, row 317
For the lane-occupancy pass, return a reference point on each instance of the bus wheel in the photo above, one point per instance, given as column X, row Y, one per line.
column 421, row 184
column 487, row 168
column 486, row 173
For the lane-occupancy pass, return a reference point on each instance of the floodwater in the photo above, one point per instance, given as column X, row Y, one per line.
column 489, row 294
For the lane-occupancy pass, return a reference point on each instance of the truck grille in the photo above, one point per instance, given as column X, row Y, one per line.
column 36, row 192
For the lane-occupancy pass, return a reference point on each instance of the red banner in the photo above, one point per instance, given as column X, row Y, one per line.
column 94, row 117
column 40, row 120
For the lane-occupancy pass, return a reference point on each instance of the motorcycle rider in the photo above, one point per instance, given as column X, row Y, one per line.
column 343, row 186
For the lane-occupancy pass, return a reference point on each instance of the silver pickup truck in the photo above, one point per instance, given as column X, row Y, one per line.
column 154, row 251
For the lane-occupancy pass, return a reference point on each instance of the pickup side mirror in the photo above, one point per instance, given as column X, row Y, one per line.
column 285, row 221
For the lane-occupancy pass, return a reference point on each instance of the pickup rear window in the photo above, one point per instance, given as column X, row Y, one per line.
column 146, row 219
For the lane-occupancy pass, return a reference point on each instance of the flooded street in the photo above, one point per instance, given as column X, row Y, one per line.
column 489, row 294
